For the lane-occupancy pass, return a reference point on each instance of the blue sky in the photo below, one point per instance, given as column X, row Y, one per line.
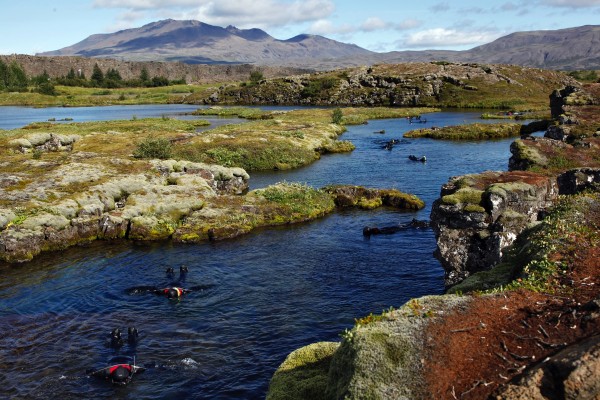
column 29, row 26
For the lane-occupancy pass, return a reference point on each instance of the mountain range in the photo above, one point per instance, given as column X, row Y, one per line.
column 201, row 43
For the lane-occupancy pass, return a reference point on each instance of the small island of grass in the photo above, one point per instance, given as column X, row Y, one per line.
column 468, row 132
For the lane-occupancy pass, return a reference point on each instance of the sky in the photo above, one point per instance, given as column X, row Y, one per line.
column 29, row 26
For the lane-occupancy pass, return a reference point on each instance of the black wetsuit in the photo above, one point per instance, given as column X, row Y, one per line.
column 119, row 374
column 172, row 292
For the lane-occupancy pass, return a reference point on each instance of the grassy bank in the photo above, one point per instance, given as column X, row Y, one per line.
column 278, row 140
column 468, row 132
column 70, row 96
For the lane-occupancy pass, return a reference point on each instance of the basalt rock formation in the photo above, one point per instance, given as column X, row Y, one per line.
column 411, row 84
column 144, row 206
column 478, row 216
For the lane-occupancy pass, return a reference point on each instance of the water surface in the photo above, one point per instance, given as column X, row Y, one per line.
column 265, row 294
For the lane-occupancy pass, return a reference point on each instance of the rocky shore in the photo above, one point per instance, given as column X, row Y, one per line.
column 67, row 184
column 521, row 250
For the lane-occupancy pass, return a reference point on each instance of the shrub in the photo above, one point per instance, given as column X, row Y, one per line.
column 47, row 88
column 153, row 148
column 255, row 77
column 337, row 116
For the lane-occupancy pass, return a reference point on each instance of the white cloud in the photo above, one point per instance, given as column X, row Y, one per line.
column 571, row 3
column 326, row 27
column 241, row 13
column 371, row 24
column 144, row 4
column 441, row 37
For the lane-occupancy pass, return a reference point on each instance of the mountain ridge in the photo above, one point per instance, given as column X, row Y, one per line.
column 192, row 42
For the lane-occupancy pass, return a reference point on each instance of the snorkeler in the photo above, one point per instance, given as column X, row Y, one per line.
column 172, row 292
column 119, row 374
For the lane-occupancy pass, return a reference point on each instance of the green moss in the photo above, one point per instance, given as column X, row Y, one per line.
column 397, row 199
column 339, row 146
column 528, row 154
column 297, row 201
column 303, row 374
column 502, row 189
column 369, row 204
column 464, row 196
column 500, row 275
column 474, row 208
column 241, row 112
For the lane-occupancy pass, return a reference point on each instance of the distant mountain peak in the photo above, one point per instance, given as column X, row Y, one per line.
column 197, row 42
column 253, row 34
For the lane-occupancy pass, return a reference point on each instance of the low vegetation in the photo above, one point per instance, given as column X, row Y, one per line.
column 276, row 140
column 406, row 85
column 468, row 132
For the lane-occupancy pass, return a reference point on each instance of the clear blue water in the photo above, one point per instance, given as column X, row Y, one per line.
column 265, row 294
column 16, row 117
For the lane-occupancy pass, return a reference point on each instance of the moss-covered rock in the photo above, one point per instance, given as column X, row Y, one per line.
column 402, row 85
column 303, row 374
column 479, row 216
column 380, row 359
column 361, row 197
column 524, row 156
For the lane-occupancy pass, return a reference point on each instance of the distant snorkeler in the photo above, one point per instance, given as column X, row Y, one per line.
column 119, row 373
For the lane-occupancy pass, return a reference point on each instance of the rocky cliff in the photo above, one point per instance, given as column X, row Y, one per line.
column 479, row 216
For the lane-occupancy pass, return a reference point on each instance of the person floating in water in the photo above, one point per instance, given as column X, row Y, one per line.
column 118, row 374
column 171, row 292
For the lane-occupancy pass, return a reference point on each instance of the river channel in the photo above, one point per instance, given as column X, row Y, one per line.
column 263, row 295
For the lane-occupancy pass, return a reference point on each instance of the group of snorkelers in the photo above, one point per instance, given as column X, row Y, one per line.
column 122, row 369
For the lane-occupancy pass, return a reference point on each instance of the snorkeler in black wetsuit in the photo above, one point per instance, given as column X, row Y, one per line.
column 172, row 292
column 119, row 374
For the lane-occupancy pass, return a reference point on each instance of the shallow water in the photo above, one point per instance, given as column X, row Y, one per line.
column 265, row 294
